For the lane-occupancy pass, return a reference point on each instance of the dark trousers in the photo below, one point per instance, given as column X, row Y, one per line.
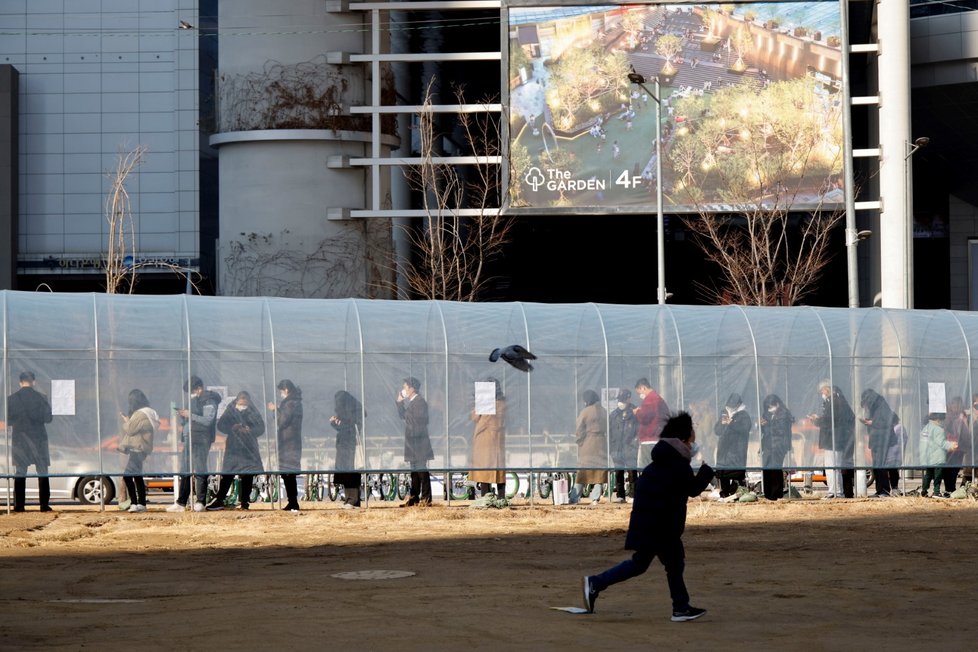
column 848, row 482
column 620, row 489
column 198, row 466
column 730, row 480
column 894, row 475
column 486, row 487
column 132, row 476
column 244, row 489
column 421, row 485
column 882, row 479
column 773, row 483
column 20, row 487
column 291, row 482
column 930, row 474
column 672, row 556
column 950, row 477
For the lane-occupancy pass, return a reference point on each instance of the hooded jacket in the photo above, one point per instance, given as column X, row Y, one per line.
column 659, row 512
column 139, row 431
column 881, row 435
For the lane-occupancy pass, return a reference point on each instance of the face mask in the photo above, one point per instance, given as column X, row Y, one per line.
column 772, row 410
column 642, row 396
column 240, row 408
column 282, row 395
column 404, row 393
column 621, row 406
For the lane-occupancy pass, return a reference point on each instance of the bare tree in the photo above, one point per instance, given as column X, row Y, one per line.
column 120, row 262
column 744, row 171
column 451, row 251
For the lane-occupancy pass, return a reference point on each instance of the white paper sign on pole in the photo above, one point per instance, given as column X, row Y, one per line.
column 63, row 397
column 485, row 398
column 936, row 397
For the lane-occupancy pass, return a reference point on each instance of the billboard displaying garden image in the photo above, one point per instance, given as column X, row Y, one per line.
column 750, row 115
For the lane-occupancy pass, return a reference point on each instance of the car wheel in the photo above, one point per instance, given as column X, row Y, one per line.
column 90, row 489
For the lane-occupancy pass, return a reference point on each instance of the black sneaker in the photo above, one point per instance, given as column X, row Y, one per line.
column 691, row 613
column 590, row 595
column 215, row 506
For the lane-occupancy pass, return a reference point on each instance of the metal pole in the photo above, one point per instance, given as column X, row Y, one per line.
column 852, row 257
column 660, row 238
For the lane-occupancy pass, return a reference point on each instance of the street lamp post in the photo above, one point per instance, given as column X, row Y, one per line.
column 912, row 148
column 660, row 241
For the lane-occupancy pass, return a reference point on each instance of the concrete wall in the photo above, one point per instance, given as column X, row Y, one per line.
column 276, row 186
column 963, row 224
column 944, row 49
column 97, row 76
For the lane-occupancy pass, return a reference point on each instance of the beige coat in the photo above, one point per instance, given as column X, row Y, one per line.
column 489, row 445
column 592, row 444
column 139, row 429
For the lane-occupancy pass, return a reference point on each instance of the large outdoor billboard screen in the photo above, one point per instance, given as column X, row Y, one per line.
column 750, row 112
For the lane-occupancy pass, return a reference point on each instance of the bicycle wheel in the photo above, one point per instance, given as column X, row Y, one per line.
column 545, row 485
column 512, row 480
column 460, row 486
column 403, row 485
column 388, row 486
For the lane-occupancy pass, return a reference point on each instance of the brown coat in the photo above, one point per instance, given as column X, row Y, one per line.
column 592, row 444
column 489, row 445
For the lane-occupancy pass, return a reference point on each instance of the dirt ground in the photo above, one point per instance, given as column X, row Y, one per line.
column 894, row 574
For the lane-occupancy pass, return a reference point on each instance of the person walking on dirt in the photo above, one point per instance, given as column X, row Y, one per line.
column 658, row 518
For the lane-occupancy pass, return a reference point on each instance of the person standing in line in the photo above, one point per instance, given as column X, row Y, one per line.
column 775, row 443
column 202, row 419
column 412, row 407
column 733, row 435
column 658, row 519
column 288, row 420
column 489, row 446
column 957, row 432
column 243, row 425
column 623, row 437
column 139, row 426
column 27, row 412
column 592, row 442
column 651, row 413
column 879, row 419
column 836, row 424
column 933, row 448
column 347, row 419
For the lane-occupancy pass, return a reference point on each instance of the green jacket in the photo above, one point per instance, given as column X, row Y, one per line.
column 933, row 445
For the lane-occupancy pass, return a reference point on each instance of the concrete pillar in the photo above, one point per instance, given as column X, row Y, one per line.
column 276, row 183
column 896, row 219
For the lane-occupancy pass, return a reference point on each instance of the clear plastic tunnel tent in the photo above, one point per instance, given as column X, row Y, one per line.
column 88, row 351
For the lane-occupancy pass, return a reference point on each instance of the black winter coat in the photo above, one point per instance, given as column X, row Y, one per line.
column 776, row 438
column 289, row 423
column 732, row 441
column 347, row 424
column 242, row 454
column 417, row 444
column 881, row 435
column 27, row 412
column 841, row 438
column 659, row 511
column 623, row 437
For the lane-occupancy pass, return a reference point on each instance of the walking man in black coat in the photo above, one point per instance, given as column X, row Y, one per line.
column 27, row 412
column 417, row 445
column 659, row 518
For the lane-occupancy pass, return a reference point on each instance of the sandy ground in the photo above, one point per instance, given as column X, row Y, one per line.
column 895, row 574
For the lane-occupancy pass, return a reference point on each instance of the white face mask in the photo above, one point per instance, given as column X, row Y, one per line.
column 282, row 395
column 621, row 406
column 240, row 408
column 772, row 410
column 405, row 393
column 642, row 396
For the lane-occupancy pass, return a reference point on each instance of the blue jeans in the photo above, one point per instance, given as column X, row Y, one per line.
column 671, row 554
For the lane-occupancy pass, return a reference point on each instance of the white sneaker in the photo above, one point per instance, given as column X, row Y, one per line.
column 347, row 506
column 124, row 505
column 617, row 499
column 176, row 507
column 133, row 509
column 199, row 507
